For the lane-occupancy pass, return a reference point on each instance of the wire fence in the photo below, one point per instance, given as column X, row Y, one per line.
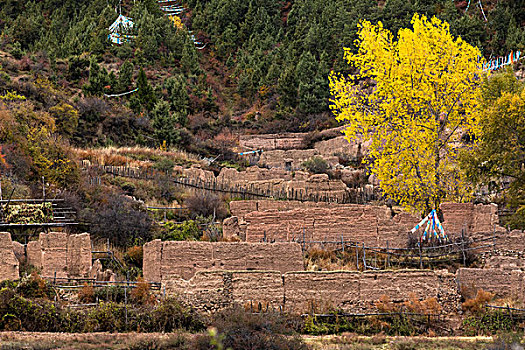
column 366, row 257
column 358, row 195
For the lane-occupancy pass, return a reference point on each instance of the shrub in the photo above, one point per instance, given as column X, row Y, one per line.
column 186, row 231
column 316, row 165
column 86, row 294
column 205, row 204
column 33, row 286
column 134, row 256
column 477, row 304
column 170, row 315
column 245, row 330
column 141, row 294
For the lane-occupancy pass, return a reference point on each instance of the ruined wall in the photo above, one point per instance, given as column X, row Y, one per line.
column 54, row 254
column 78, row 255
column 502, row 282
column 372, row 225
column 8, row 263
column 300, row 292
column 168, row 260
column 339, row 145
column 475, row 218
column 275, row 181
column 273, row 141
column 293, row 159
column 67, row 255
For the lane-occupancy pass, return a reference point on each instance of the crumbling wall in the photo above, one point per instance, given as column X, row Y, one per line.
column 54, row 254
column 339, row 145
column 503, row 283
column 289, row 220
column 475, row 219
column 67, row 255
column 78, row 255
column 34, row 253
column 274, row 182
column 182, row 259
column 373, row 225
column 293, row 159
column 300, row 292
column 273, row 141
column 9, row 264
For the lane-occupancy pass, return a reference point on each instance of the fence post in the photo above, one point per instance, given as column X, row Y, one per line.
column 463, row 247
column 364, row 257
column 356, row 257
column 420, row 257
column 387, row 255
column 342, row 244
column 494, row 239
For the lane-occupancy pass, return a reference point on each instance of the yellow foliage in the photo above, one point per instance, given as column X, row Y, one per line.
column 12, row 96
column 412, row 99
column 176, row 22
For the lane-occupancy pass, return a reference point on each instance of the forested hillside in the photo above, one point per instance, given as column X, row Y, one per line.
column 265, row 66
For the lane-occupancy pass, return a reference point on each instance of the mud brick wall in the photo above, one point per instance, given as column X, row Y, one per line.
column 67, row 255
column 321, row 291
column 502, row 282
column 339, row 145
column 300, row 292
column 293, row 158
column 8, row 263
column 273, row 181
column 511, row 241
column 372, row 225
column 78, row 255
column 476, row 219
column 167, row 260
column 273, row 141
column 215, row 290
column 54, row 254
column 34, row 253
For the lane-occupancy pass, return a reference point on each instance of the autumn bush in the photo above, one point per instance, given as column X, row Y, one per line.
column 477, row 304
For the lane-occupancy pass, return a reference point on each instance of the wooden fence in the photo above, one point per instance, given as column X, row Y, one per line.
column 380, row 258
column 237, row 190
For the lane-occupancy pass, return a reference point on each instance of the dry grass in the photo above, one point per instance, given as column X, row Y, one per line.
column 349, row 342
column 133, row 156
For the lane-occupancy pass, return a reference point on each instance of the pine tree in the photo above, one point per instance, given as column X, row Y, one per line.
column 164, row 124
column 145, row 94
column 125, row 76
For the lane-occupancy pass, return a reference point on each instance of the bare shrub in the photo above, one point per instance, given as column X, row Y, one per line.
column 206, row 204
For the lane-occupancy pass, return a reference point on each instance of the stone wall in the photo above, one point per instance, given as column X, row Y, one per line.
column 8, row 263
column 276, row 181
column 168, row 260
column 300, row 292
column 293, row 159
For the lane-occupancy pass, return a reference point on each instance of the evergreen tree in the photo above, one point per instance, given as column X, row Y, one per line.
column 125, row 76
column 145, row 94
column 177, row 95
column 164, row 123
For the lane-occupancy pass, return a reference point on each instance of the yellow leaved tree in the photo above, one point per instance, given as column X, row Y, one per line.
column 413, row 99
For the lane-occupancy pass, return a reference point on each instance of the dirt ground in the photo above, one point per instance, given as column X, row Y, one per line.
column 41, row 341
